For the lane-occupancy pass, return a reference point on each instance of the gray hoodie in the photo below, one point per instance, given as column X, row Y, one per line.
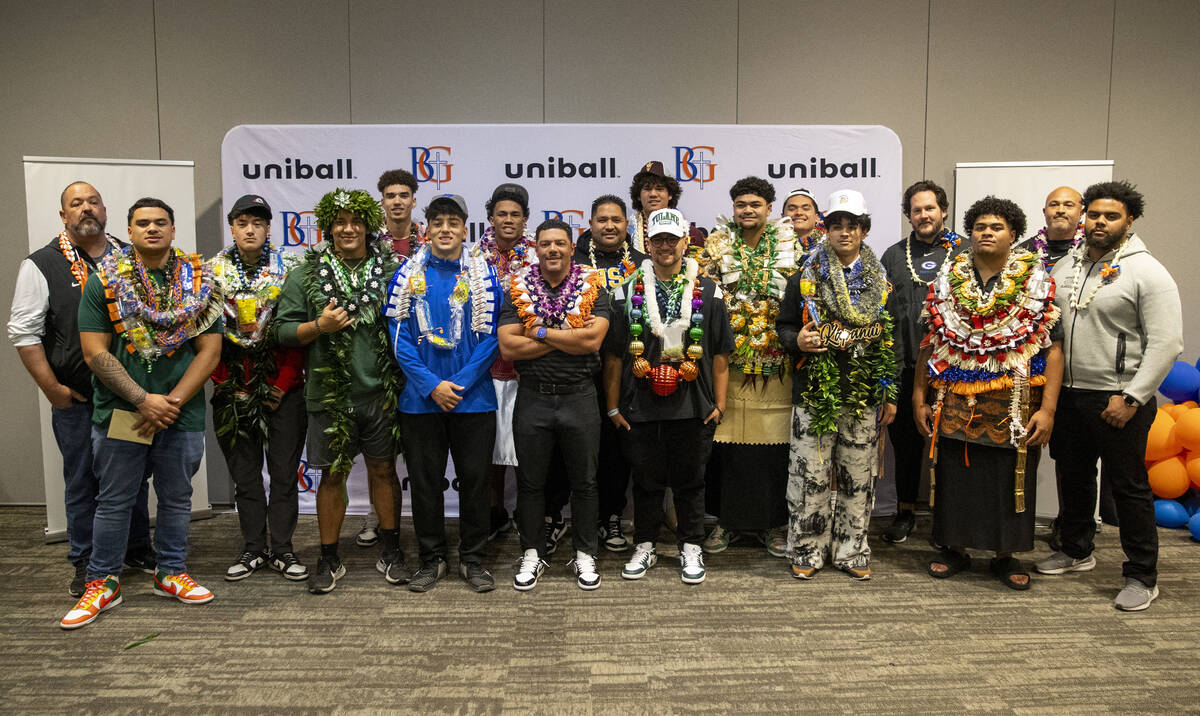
column 1128, row 337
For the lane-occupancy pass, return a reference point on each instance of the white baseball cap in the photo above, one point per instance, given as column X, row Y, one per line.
column 666, row 221
column 847, row 200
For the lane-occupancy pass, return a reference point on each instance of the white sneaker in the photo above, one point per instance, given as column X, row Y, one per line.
column 529, row 569
column 691, row 563
column 369, row 534
column 586, row 575
column 642, row 560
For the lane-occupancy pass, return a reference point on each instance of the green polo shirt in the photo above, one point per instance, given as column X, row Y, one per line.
column 160, row 376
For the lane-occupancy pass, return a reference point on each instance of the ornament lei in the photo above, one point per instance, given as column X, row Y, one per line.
column 320, row 285
column 79, row 267
column 569, row 309
column 754, row 281
column 249, row 304
column 1108, row 273
column 673, row 334
column 409, row 288
column 866, row 376
column 977, row 352
column 949, row 239
column 157, row 320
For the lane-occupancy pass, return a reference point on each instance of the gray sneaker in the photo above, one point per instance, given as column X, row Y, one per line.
column 478, row 578
column 1061, row 563
column 1135, row 596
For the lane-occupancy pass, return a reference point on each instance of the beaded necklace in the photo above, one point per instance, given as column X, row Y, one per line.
column 79, row 267
column 673, row 334
column 246, row 279
column 950, row 241
column 1108, row 273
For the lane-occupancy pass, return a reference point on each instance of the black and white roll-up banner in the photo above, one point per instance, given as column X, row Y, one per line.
column 564, row 166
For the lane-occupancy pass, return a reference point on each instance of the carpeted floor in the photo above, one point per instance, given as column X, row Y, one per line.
column 751, row 639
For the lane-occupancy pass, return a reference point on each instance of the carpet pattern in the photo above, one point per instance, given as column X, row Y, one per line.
column 751, row 639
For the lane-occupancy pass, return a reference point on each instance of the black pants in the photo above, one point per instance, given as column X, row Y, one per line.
column 1080, row 438
column 669, row 453
column 570, row 423
column 612, row 469
column 907, row 444
column 469, row 439
column 286, row 427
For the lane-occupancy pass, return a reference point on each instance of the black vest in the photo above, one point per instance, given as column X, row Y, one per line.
column 61, row 336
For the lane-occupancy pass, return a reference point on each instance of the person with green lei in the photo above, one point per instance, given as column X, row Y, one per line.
column 843, row 392
column 332, row 303
column 258, row 404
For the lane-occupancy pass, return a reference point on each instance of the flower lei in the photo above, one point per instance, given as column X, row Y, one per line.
column 978, row 348
column 1108, row 273
column 79, row 267
column 570, row 308
column 627, row 265
column 1039, row 243
column 950, row 241
column 639, row 232
column 157, row 320
column 754, row 281
column 861, row 376
column 408, row 287
column 334, row 376
column 507, row 263
column 644, row 311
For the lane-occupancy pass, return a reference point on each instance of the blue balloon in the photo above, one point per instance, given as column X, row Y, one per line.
column 1194, row 526
column 1191, row 501
column 1182, row 383
column 1169, row 513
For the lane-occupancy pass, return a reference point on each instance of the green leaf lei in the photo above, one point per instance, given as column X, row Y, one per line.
column 334, row 376
column 238, row 402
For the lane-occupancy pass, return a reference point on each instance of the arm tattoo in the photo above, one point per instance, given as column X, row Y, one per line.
column 109, row 370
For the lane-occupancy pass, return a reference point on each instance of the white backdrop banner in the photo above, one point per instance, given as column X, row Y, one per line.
column 564, row 167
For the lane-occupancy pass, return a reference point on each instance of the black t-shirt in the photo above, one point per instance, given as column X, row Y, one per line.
column 608, row 262
column 556, row 366
column 694, row 399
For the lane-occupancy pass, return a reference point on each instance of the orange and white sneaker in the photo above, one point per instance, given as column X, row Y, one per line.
column 99, row 595
column 180, row 586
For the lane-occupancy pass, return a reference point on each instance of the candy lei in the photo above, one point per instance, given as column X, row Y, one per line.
column 156, row 320
column 507, row 263
column 950, row 241
column 79, row 267
column 644, row 312
column 1108, row 273
column 754, row 280
column 409, row 288
column 976, row 352
column 569, row 309
column 249, row 299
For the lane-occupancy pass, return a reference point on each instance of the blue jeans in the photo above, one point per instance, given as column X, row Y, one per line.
column 73, row 433
column 122, row 466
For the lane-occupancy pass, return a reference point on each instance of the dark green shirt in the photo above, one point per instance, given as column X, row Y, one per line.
column 160, row 376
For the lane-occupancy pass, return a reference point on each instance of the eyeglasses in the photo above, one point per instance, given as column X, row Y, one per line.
column 664, row 239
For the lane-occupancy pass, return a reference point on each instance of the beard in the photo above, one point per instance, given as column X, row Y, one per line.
column 88, row 226
column 1108, row 242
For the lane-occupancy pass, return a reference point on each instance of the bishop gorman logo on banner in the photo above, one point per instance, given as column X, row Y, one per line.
column 695, row 164
column 431, row 164
column 573, row 218
column 300, row 228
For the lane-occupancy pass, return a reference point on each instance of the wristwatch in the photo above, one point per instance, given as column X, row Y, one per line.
column 1130, row 400
column 541, row 333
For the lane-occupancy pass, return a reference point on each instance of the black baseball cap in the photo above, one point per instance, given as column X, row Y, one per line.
column 510, row 188
column 250, row 204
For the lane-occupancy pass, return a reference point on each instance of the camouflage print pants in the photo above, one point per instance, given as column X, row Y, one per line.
column 836, row 523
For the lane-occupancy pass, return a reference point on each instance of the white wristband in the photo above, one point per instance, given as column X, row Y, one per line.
column 614, row 411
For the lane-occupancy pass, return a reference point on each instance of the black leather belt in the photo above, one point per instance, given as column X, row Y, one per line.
column 557, row 388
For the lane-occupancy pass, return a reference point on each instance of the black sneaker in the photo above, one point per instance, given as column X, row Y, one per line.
column 556, row 527
column 478, row 578
column 612, row 536
column 501, row 522
column 246, row 564
column 324, row 578
column 427, row 576
column 901, row 527
column 393, row 567
column 79, row 581
column 144, row 561
column 289, row 566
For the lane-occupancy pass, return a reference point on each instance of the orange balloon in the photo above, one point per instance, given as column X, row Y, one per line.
column 1161, row 443
column 1193, row 469
column 1169, row 478
column 1189, row 404
column 1173, row 409
column 1187, row 429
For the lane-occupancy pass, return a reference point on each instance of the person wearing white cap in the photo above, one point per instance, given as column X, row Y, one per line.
column 666, row 368
column 807, row 224
column 843, row 392
column 751, row 257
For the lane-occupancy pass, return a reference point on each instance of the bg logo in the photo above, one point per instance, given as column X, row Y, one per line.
column 695, row 164
column 431, row 164
column 306, row 477
column 573, row 218
column 300, row 228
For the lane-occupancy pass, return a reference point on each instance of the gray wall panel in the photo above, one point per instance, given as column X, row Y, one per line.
column 78, row 81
